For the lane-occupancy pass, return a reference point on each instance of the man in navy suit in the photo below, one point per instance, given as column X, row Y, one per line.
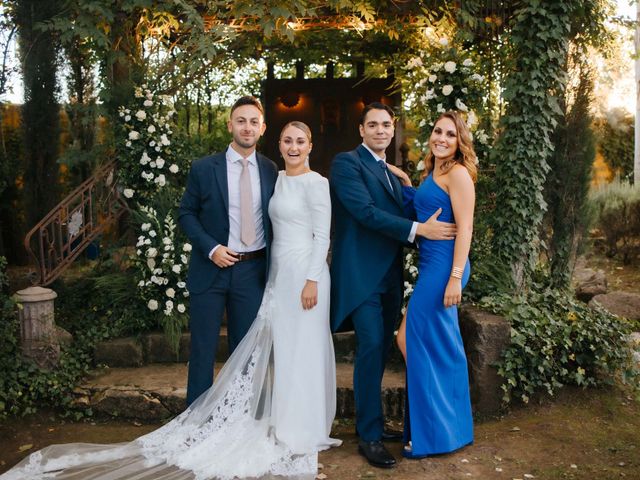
column 224, row 213
column 366, row 266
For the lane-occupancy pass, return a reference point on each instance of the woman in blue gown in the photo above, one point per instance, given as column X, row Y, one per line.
column 438, row 415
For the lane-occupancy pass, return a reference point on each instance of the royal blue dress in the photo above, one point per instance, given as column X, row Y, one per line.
column 438, row 415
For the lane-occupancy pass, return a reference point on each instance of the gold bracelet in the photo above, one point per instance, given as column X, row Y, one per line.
column 456, row 272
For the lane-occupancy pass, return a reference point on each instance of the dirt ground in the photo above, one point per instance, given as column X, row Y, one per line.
column 582, row 434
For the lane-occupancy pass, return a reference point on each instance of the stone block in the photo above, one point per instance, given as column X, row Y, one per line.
column 589, row 283
column 129, row 403
column 623, row 304
column 119, row 352
column 485, row 336
column 157, row 349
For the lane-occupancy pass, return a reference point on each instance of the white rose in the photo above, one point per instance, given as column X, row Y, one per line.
column 181, row 308
column 166, row 241
column 138, row 251
column 141, row 115
column 128, row 192
column 461, row 106
column 443, row 41
column 152, row 252
column 151, row 129
column 450, row 66
column 149, row 95
column 174, row 168
column 440, row 108
column 472, row 119
column 159, row 162
column 145, row 227
column 164, row 140
column 430, row 94
column 477, row 77
column 432, row 78
column 144, row 159
column 152, row 143
column 151, row 263
column 152, row 233
column 141, row 283
column 127, row 118
column 171, row 293
column 157, row 149
column 420, row 165
column 184, row 259
column 147, row 103
column 467, row 62
column 128, row 143
column 152, row 164
column 161, row 180
column 181, row 284
column 186, row 247
column 176, row 268
column 133, row 135
column 447, row 89
column 152, row 305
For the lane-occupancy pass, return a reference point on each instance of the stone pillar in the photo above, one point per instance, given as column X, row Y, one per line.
column 39, row 338
column 485, row 336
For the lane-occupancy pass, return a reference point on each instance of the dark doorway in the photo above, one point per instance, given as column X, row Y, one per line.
column 331, row 107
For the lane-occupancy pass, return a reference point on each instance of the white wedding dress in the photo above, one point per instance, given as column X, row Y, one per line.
column 271, row 407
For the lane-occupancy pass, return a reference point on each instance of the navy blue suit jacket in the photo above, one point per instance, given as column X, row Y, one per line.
column 370, row 228
column 204, row 213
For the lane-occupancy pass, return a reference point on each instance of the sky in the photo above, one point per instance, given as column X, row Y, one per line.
column 619, row 97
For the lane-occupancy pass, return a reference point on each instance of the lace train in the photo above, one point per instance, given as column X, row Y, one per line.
column 224, row 434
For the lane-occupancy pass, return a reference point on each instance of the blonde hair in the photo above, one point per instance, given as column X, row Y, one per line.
column 300, row 126
column 465, row 154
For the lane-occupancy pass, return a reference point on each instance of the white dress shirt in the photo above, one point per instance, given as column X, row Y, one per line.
column 414, row 227
column 234, row 169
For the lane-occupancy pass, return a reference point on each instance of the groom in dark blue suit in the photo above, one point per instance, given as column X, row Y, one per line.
column 366, row 266
column 224, row 214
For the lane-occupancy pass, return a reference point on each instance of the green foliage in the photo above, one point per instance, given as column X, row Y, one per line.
column 570, row 175
column 615, row 141
column 557, row 340
column 24, row 386
column 539, row 46
column 40, row 112
column 617, row 210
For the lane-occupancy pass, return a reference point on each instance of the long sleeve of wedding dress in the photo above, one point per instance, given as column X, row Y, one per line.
column 271, row 406
column 318, row 201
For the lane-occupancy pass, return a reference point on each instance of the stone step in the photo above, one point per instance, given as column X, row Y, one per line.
column 158, row 391
column 154, row 348
column 485, row 336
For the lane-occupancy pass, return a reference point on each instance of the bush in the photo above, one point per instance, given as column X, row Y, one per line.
column 615, row 139
column 557, row 340
column 617, row 210
column 25, row 387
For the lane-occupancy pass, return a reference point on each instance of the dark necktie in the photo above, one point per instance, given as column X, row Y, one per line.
column 383, row 166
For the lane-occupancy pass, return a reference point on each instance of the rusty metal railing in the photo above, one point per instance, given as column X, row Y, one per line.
column 55, row 242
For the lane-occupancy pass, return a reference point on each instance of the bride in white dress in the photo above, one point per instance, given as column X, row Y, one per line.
column 271, row 407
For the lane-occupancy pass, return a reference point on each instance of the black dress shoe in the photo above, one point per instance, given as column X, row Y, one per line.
column 376, row 454
column 389, row 435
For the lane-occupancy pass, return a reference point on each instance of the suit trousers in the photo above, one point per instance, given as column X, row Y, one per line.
column 374, row 322
column 238, row 289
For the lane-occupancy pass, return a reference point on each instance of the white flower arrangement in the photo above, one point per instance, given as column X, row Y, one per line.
column 159, row 259
column 147, row 147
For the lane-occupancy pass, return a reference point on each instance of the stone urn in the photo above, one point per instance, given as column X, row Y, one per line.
column 39, row 336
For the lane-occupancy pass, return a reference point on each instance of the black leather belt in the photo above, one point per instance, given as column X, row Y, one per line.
column 242, row 256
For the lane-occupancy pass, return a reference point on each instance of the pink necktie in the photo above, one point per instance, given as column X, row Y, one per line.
column 247, row 222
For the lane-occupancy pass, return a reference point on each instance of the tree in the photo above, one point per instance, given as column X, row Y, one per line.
column 41, row 112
